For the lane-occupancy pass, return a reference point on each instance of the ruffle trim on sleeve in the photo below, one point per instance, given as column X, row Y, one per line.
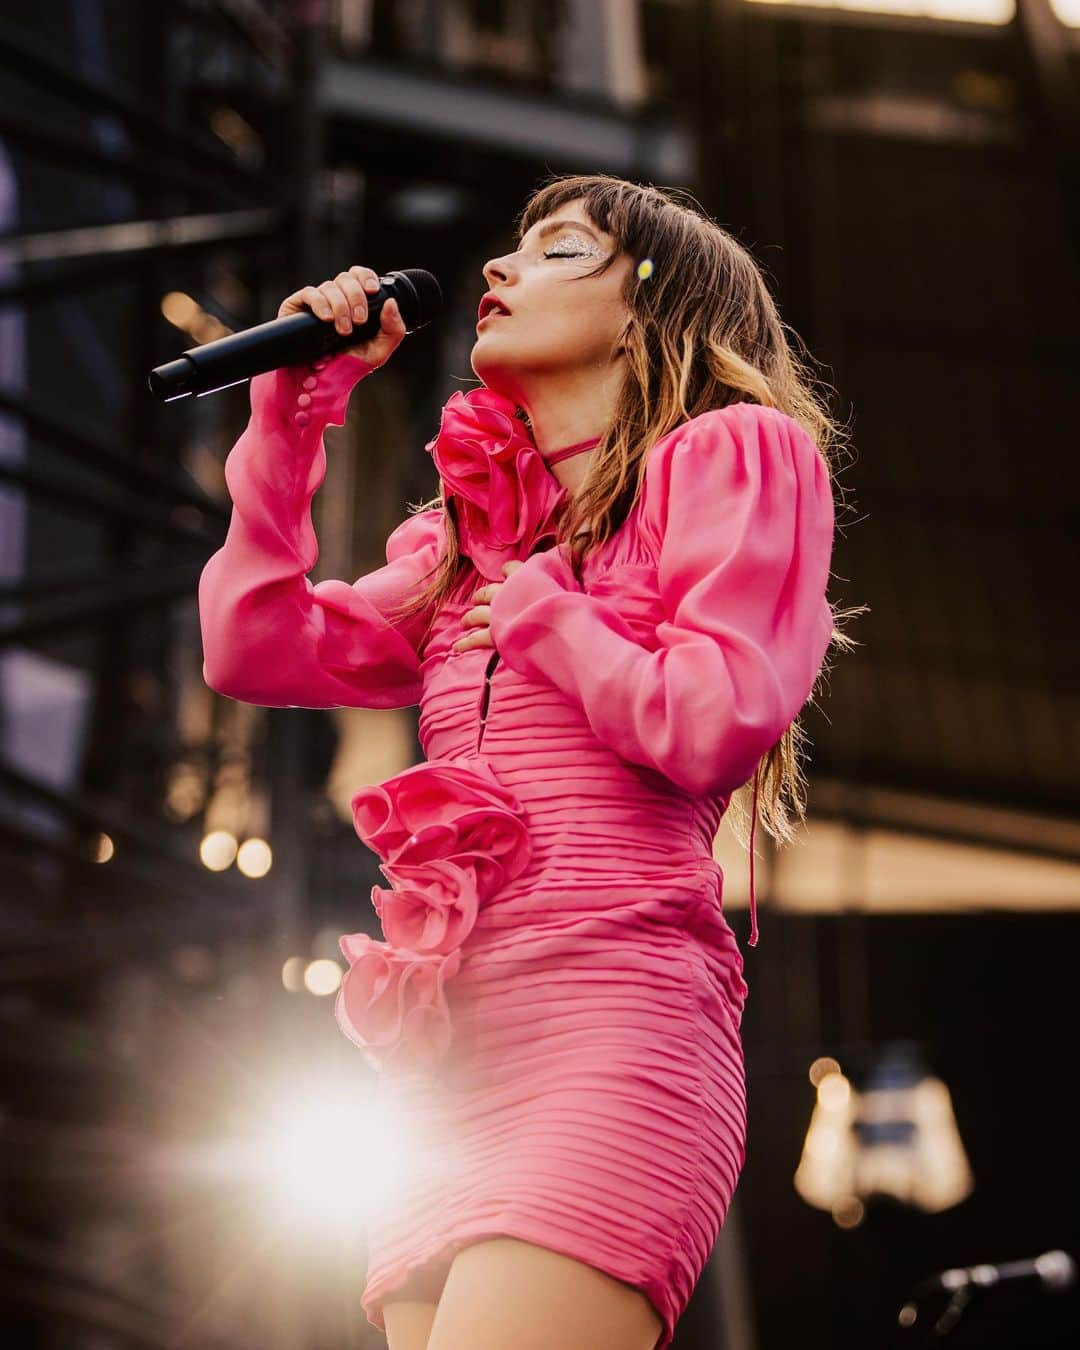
column 450, row 835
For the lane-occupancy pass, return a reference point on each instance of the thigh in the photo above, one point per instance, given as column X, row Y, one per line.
column 410, row 1310
column 503, row 1292
column 408, row 1323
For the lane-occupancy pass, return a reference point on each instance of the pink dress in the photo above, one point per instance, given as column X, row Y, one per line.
column 555, row 1010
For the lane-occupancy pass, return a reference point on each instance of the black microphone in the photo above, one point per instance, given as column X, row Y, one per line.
column 1052, row 1271
column 295, row 339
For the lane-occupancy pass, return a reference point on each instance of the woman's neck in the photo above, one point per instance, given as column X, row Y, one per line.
column 574, row 406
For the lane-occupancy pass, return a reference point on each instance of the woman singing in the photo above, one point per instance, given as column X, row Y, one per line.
column 610, row 619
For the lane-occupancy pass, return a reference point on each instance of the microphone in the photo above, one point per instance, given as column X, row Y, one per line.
column 292, row 340
column 1052, row 1271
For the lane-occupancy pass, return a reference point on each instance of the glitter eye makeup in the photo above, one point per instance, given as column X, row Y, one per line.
column 583, row 247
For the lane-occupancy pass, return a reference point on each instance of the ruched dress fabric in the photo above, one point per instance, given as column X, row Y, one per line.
column 555, row 1010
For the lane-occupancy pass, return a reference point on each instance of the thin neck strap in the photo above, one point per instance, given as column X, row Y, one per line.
column 569, row 450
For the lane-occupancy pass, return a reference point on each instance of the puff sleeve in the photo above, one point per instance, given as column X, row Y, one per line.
column 737, row 510
column 270, row 636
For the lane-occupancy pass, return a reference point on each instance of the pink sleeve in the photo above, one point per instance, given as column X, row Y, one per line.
column 270, row 637
column 737, row 509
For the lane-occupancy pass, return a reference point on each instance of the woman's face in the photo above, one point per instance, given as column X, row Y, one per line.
column 560, row 321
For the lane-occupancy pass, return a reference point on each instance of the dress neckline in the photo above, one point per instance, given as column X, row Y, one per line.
column 578, row 448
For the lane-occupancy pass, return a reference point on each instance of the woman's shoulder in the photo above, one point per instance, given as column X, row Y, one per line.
column 712, row 445
column 734, row 450
column 719, row 426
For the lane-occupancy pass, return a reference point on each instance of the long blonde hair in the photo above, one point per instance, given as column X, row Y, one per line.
column 704, row 332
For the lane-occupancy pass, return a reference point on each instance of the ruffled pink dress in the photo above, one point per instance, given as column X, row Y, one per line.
column 555, row 1009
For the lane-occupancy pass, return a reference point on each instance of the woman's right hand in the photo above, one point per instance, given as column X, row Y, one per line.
column 345, row 301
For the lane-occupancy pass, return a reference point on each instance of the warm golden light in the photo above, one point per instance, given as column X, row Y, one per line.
column 184, row 312
column 322, row 976
column 849, row 1212
column 254, row 858
column 185, row 791
column 327, row 1155
column 821, row 1067
column 217, row 850
column 834, row 1092
column 180, row 309
column 292, row 974
column 237, row 133
column 897, row 1137
column 103, row 848
column 961, row 11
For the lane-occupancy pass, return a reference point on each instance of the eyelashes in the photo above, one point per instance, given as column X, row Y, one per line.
column 587, row 249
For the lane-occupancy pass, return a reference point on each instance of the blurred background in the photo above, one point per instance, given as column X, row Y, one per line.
column 186, row 1140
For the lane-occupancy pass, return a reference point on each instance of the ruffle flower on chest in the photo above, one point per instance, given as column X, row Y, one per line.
column 507, row 499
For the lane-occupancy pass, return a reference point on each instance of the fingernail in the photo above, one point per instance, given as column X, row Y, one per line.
column 358, row 314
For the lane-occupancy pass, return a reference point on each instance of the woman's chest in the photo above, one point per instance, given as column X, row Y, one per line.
column 463, row 690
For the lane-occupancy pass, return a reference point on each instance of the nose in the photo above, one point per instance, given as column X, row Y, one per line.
column 495, row 270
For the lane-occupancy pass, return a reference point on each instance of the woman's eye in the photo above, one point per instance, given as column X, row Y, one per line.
column 554, row 254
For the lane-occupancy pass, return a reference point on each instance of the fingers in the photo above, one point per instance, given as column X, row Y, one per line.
column 479, row 617
column 342, row 301
column 480, row 638
column 347, row 296
column 392, row 321
column 479, row 620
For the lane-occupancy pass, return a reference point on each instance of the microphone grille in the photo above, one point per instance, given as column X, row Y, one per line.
column 427, row 290
column 1057, row 1269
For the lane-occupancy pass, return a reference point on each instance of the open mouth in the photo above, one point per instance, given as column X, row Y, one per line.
column 489, row 307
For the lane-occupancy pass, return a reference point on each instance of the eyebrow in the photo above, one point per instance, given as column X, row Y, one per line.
column 554, row 225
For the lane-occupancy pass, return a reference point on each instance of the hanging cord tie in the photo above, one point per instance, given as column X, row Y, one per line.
column 753, row 901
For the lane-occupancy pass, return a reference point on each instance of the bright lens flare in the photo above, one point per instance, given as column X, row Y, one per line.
column 330, row 1162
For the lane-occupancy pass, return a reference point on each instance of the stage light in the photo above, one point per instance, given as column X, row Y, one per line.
column 292, row 974
column 217, row 850
column 254, row 858
column 322, row 977
column 956, row 11
column 184, row 312
column 896, row 1136
column 320, row 1156
column 185, row 791
column 821, row 1067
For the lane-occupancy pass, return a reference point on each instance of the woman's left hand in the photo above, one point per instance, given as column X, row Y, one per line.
column 479, row 617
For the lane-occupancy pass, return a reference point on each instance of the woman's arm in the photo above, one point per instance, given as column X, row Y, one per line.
column 738, row 507
column 270, row 637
